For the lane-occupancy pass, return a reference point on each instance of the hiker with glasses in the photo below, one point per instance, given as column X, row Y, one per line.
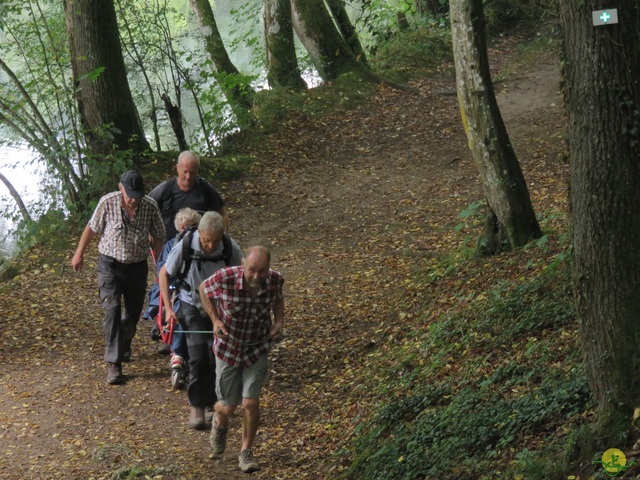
column 197, row 256
column 125, row 220
column 240, row 301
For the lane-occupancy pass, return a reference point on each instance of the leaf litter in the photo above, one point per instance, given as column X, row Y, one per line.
column 351, row 206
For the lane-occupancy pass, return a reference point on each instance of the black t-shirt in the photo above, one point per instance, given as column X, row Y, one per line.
column 195, row 198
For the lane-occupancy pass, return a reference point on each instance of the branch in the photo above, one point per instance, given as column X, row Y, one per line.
column 43, row 124
column 16, row 196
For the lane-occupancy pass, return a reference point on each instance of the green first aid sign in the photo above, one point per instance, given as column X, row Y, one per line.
column 604, row 17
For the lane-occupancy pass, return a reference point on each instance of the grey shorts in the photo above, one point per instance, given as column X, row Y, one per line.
column 235, row 383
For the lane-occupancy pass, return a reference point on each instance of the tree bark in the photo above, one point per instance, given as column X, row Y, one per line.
column 237, row 90
column 602, row 98
column 104, row 99
column 325, row 44
column 348, row 31
column 175, row 117
column 504, row 185
column 282, row 64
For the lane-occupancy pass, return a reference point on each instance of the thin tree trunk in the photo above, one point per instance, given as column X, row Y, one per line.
column 239, row 92
column 30, row 124
column 347, row 29
column 282, row 64
column 504, row 185
column 137, row 58
column 175, row 117
column 16, row 196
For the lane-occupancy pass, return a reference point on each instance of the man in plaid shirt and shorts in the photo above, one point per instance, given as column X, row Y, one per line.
column 239, row 301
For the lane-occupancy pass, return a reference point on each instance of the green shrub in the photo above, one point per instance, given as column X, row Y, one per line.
column 511, row 376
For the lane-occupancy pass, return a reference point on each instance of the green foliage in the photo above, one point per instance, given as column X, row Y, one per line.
column 503, row 16
column 51, row 225
column 246, row 33
column 412, row 51
column 225, row 168
column 273, row 107
column 38, row 106
column 105, row 175
column 545, row 465
column 476, row 385
column 376, row 22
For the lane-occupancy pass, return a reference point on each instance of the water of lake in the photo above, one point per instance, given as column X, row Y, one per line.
column 16, row 164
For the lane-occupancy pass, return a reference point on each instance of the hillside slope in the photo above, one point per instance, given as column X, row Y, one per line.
column 350, row 205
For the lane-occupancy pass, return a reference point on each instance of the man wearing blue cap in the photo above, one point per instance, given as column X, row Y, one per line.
column 125, row 219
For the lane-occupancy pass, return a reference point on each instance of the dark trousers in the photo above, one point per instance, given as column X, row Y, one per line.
column 202, row 383
column 120, row 283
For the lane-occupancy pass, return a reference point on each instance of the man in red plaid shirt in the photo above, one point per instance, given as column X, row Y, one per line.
column 239, row 301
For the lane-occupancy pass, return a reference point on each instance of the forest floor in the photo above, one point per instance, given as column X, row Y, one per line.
column 350, row 205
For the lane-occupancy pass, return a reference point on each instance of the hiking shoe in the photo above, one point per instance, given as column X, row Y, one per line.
column 114, row 374
column 176, row 361
column 218, row 437
column 178, row 378
column 164, row 349
column 196, row 418
column 246, row 462
column 178, row 372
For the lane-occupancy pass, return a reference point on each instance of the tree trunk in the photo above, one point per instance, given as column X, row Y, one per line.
column 237, row 90
column 327, row 48
column 175, row 117
column 16, row 196
column 602, row 96
column 503, row 182
column 282, row 64
column 136, row 56
column 347, row 29
column 104, row 99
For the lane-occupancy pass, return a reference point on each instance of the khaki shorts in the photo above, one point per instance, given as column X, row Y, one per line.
column 235, row 383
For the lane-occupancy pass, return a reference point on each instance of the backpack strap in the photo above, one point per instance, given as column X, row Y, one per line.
column 188, row 256
column 207, row 195
column 227, row 249
column 167, row 194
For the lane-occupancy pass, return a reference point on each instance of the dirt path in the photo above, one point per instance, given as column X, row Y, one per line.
column 355, row 204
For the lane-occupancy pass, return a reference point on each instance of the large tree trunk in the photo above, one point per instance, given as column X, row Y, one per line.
column 504, row 185
column 602, row 94
column 104, row 99
column 238, row 92
column 282, row 63
column 326, row 46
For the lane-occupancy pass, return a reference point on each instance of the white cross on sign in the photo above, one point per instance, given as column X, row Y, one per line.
column 604, row 17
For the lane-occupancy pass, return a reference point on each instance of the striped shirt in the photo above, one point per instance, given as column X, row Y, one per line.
column 246, row 318
column 125, row 240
